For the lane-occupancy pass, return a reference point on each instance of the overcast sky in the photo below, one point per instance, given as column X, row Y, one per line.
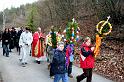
column 13, row 3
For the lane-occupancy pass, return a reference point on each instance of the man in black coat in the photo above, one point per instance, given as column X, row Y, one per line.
column 13, row 38
column 17, row 40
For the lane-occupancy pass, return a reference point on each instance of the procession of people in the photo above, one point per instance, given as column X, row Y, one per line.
column 58, row 47
column 60, row 57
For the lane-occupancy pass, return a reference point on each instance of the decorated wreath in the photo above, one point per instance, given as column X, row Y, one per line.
column 71, row 33
column 103, row 28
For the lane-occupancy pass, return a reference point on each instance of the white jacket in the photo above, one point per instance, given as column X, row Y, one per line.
column 25, row 39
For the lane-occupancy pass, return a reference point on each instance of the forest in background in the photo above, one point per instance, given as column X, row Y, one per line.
column 46, row 13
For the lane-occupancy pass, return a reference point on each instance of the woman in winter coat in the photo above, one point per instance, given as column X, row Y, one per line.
column 86, row 60
column 5, row 42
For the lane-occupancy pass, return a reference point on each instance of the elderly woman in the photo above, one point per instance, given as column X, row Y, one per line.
column 86, row 60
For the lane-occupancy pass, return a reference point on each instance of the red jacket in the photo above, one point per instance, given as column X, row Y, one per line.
column 89, row 60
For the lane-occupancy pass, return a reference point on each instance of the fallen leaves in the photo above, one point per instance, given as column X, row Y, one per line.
column 110, row 62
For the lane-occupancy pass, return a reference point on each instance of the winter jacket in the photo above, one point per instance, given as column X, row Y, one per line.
column 5, row 38
column 89, row 58
column 59, row 60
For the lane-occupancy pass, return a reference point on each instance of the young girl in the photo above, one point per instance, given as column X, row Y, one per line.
column 86, row 60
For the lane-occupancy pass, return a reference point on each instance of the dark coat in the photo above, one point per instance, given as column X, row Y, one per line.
column 5, row 38
column 18, row 37
column 13, row 39
column 59, row 62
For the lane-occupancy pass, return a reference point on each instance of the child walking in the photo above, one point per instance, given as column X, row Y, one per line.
column 59, row 64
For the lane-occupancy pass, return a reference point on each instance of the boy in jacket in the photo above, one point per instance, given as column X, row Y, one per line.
column 59, row 64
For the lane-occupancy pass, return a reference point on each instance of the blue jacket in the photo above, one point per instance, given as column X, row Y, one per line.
column 59, row 62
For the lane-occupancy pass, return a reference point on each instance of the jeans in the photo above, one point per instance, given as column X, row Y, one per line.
column 6, row 49
column 64, row 77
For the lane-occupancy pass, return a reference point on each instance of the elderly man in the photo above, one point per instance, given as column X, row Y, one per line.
column 38, row 45
column 25, row 45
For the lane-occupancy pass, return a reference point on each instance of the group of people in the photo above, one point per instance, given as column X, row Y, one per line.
column 63, row 59
column 60, row 58
column 10, row 39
